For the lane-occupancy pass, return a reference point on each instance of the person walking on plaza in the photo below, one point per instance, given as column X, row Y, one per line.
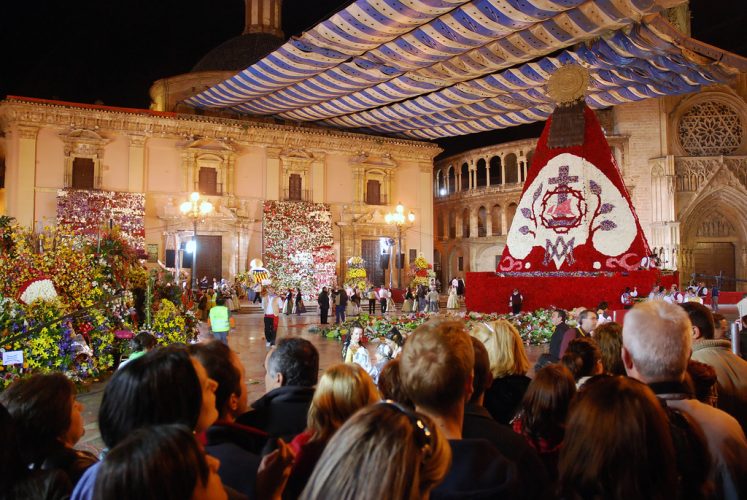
column 371, row 300
column 422, row 302
column 299, row 308
column 453, row 302
column 515, row 301
column 383, row 296
column 271, row 305
column 341, row 302
column 220, row 320
column 433, row 300
column 714, row 298
column 323, row 301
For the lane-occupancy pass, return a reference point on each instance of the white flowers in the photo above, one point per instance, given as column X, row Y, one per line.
column 39, row 289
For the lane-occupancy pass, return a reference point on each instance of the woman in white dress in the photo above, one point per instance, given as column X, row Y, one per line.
column 453, row 302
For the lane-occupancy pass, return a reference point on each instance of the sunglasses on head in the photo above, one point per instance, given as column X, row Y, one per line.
column 421, row 433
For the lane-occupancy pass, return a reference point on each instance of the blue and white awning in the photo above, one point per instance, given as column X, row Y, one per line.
column 433, row 68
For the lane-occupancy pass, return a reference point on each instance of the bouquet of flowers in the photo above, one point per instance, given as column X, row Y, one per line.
column 421, row 272
column 355, row 277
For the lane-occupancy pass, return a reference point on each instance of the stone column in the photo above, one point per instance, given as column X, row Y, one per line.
column 425, row 214
column 504, row 219
column 473, row 215
column 22, row 199
column 136, row 164
column 272, row 179
column 503, row 174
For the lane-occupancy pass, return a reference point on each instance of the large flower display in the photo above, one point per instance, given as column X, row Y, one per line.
column 91, row 211
column 298, row 245
column 421, row 272
column 63, row 295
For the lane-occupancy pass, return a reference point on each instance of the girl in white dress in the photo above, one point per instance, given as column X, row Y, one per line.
column 453, row 302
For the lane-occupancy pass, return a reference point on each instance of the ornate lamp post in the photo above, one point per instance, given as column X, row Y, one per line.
column 398, row 219
column 195, row 210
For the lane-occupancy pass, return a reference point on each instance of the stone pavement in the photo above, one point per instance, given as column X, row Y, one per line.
column 247, row 339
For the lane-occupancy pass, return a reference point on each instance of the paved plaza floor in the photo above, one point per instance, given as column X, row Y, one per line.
column 247, row 339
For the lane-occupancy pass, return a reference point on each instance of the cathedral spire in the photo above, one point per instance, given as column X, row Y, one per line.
column 263, row 16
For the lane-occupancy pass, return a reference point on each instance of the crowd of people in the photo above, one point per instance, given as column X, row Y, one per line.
column 656, row 408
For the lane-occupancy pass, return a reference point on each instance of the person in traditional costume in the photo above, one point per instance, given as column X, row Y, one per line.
column 354, row 352
column 288, row 305
column 453, row 302
column 299, row 307
column 407, row 305
column 323, row 301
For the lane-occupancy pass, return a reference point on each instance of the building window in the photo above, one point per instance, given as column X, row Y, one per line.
column 373, row 192
column 2, row 173
column 295, row 187
column 413, row 255
column 208, row 181
column 460, row 263
column 83, row 173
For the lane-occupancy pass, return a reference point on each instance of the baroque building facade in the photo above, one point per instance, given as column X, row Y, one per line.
column 683, row 159
column 235, row 164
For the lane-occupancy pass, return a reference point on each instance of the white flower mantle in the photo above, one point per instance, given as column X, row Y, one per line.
column 569, row 203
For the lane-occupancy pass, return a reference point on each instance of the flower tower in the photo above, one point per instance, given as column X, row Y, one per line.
column 355, row 277
column 421, row 272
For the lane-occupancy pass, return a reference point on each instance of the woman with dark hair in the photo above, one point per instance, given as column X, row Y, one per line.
column 584, row 359
column 617, row 444
column 544, row 408
column 383, row 451
column 49, row 423
column 163, row 462
column 609, row 337
column 390, row 384
column 299, row 307
column 15, row 477
column 166, row 386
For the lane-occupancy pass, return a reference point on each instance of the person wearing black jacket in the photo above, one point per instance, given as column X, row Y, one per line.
column 292, row 371
column 323, row 301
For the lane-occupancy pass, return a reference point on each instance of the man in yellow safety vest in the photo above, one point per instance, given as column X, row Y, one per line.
column 220, row 320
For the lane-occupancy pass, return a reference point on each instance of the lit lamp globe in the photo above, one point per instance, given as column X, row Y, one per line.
column 194, row 196
column 411, row 217
column 185, row 207
column 206, row 207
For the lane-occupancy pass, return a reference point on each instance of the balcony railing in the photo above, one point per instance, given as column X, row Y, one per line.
column 480, row 191
column 302, row 195
column 381, row 200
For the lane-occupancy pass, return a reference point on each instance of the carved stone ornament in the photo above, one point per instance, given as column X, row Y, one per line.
column 710, row 128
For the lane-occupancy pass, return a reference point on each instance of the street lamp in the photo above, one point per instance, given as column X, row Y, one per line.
column 196, row 210
column 398, row 219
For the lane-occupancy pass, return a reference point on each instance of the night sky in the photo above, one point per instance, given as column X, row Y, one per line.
column 112, row 51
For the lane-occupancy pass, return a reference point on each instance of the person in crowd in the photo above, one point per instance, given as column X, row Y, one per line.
column 422, row 298
column 220, row 320
column 609, row 339
column 743, row 337
column 674, row 296
column 515, row 301
column 383, row 299
column 655, row 293
column 355, row 299
column 715, row 292
column 584, row 359
column 299, row 307
column 353, row 351
column 143, row 343
column 292, row 368
column 508, row 365
column 323, row 301
column 626, row 299
column 587, row 322
column 617, row 444
column 453, row 300
column 238, row 447
column 731, row 370
column 288, row 303
column 372, row 296
column 701, row 382
column 383, row 451
column 541, row 419
column 145, row 393
column 271, row 305
column 202, row 303
column 390, row 385
column 340, row 299
column 561, row 336
column 433, row 300
column 164, row 462
column 436, row 367
column 211, row 300
column 343, row 389
column 17, row 480
column 603, row 313
column 49, row 423
column 657, row 341
column 461, row 288
column 478, row 424
column 721, row 327
column 408, row 305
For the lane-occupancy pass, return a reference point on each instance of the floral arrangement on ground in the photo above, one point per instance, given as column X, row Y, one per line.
column 63, row 297
column 535, row 327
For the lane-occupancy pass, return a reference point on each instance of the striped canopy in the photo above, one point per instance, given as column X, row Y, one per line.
column 427, row 69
